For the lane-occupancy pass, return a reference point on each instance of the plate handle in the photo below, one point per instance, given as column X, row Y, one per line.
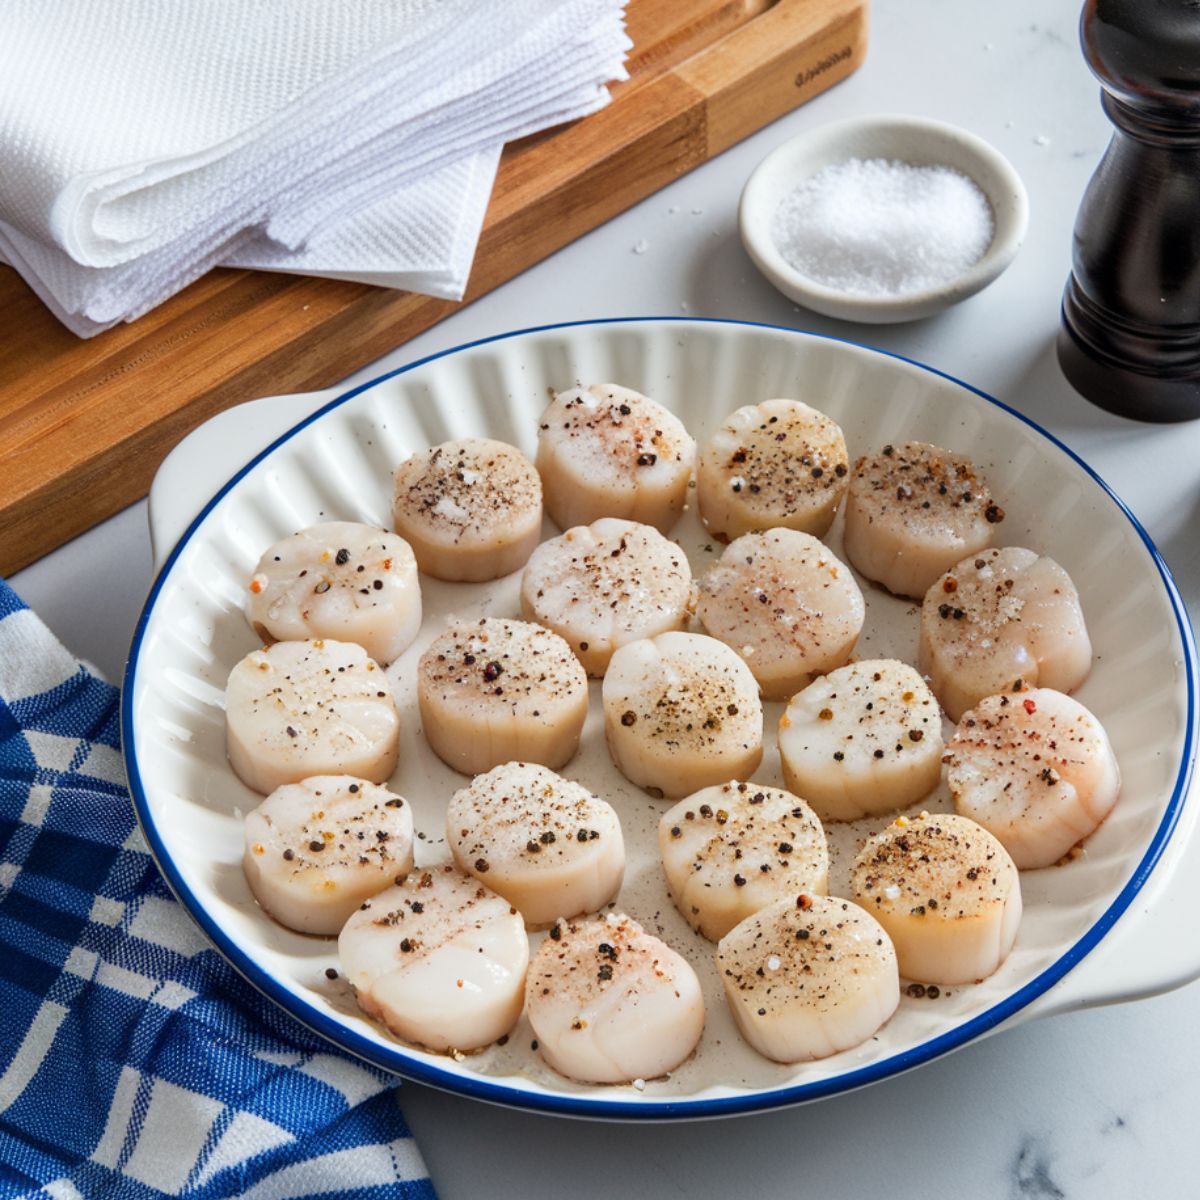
column 1153, row 948
column 211, row 454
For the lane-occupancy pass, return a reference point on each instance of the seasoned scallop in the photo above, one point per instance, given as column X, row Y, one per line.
column 1034, row 768
column 319, row 707
column 316, row 850
column 912, row 512
column 546, row 844
column 607, row 451
column 807, row 977
column 496, row 691
column 730, row 850
column 865, row 739
column 602, row 585
column 440, row 959
column 998, row 617
column 681, row 712
column 610, row 1003
column 784, row 602
column 471, row 509
column 947, row 893
column 779, row 463
column 338, row 580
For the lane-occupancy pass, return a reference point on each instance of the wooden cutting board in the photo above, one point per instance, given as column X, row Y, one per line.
column 84, row 424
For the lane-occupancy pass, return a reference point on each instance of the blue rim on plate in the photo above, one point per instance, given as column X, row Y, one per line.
column 563, row 1105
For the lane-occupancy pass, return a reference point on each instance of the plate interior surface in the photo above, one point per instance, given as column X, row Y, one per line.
column 339, row 466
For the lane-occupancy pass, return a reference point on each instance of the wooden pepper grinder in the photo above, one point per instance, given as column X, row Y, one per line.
column 1130, row 337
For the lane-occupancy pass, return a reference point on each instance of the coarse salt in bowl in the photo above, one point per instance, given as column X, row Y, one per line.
column 834, row 217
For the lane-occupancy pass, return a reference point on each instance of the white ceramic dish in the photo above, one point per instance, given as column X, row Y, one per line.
column 914, row 140
column 337, row 463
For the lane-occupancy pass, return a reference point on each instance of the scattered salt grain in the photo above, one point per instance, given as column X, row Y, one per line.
column 1041, row 140
column 875, row 227
column 445, row 507
column 641, row 246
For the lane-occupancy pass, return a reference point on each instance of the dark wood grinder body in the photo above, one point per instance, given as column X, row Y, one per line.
column 1130, row 336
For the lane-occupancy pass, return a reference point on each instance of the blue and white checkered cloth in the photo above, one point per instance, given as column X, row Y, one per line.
column 133, row 1061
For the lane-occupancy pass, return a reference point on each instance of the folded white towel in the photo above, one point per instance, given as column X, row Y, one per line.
column 143, row 142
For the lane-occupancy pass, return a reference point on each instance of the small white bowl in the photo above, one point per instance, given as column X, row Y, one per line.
column 914, row 140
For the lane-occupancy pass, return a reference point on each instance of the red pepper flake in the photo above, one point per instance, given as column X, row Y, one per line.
column 1030, row 706
column 492, row 671
column 804, row 901
column 950, row 584
column 915, row 735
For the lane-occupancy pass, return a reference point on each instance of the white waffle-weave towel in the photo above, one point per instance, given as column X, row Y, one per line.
column 142, row 142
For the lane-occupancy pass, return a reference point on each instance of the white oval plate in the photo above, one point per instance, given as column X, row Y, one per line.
column 338, row 463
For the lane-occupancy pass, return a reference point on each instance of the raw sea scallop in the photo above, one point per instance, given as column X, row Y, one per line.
column 1034, row 768
column 912, row 512
column 610, row 1003
column 808, row 976
column 316, row 850
column 494, row 691
column 544, row 843
column 864, row 739
column 606, row 451
column 602, row 585
column 779, row 463
column 471, row 509
column 946, row 891
column 785, row 603
column 1000, row 617
column 440, row 959
column 318, row 707
column 730, row 850
column 681, row 712
column 338, row 580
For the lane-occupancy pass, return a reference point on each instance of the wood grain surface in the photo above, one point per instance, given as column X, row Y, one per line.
column 84, row 424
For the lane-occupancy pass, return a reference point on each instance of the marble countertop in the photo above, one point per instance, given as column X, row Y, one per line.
column 1094, row 1104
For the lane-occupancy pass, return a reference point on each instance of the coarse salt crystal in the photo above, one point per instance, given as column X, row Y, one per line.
column 641, row 246
column 891, row 891
column 773, row 963
column 445, row 507
column 875, row 227
column 640, row 1084
column 468, row 476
